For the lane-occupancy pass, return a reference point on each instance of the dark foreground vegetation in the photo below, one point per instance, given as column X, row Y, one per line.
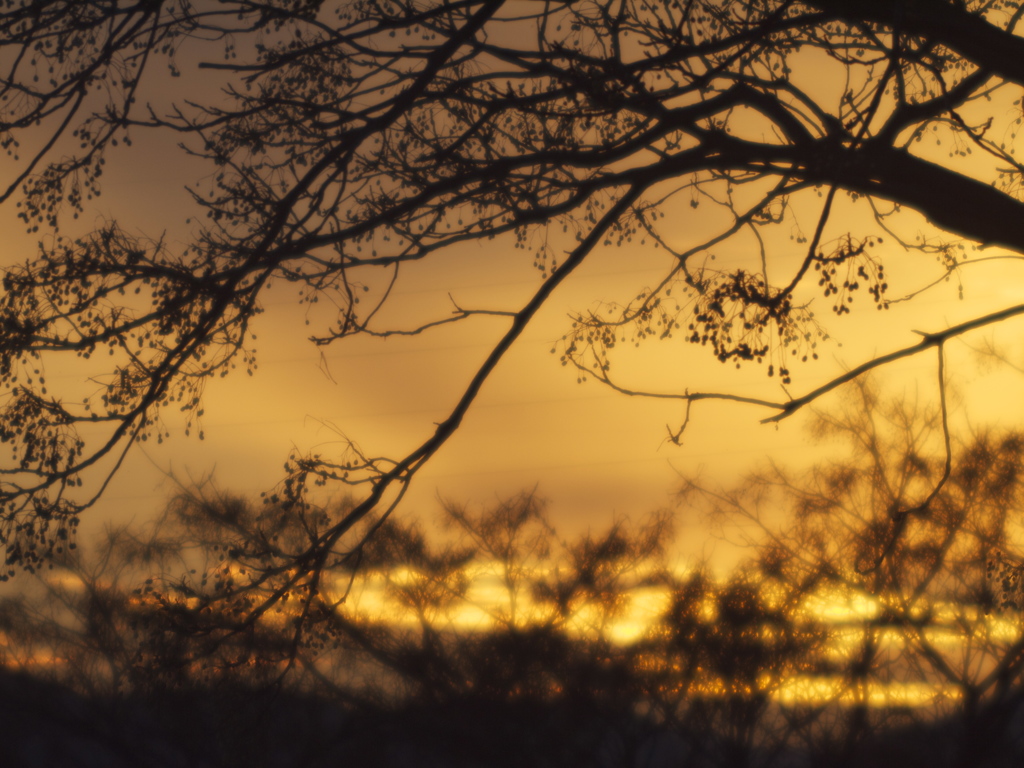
column 835, row 642
column 45, row 724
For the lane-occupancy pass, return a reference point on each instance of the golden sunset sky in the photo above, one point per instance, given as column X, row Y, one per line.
column 592, row 453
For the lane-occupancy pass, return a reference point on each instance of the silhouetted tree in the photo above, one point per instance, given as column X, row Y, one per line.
column 388, row 651
column 455, row 644
column 352, row 139
column 859, row 533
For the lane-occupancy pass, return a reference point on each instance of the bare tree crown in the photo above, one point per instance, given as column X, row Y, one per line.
column 355, row 138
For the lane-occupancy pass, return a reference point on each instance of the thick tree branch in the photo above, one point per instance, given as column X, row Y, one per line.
column 992, row 49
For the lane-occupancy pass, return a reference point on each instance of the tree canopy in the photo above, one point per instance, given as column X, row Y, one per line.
column 354, row 138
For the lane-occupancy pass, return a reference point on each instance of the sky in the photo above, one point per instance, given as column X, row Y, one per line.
column 595, row 455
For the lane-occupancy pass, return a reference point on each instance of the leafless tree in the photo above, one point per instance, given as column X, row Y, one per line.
column 167, row 611
column 926, row 615
column 355, row 138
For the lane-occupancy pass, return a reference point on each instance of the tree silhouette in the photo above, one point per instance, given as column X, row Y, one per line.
column 458, row 692
column 353, row 140
column 925, row 619
column 454, row 644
